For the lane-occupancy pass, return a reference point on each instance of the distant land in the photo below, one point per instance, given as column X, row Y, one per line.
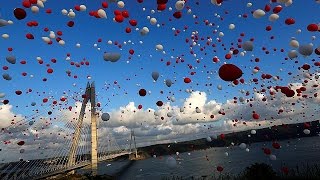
column 274, row 133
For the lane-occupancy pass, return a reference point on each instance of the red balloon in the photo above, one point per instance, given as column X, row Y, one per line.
column 70, row 24
column 267, row 151
column 219, row 168
column 26, row 4
column 229, row 72
column 140, row 106
column 133, row 22
column 177, row 14
column 159, row 103
column 119, row 18
column 125, row 14
column 128, row 30
column 187, row 80
column 255, row 116
column 142, row 92
column 290, row 21
column 33, row 1
column 131, row 51
column 19, row 13
column 105, row 5
column 49, row 70
column 277, row 9
column 29, row 36
column 117, row 12
column 161, row 7
column 276, row 145
column 18, row 92
column 162, row 1
column 20, row 143
column 312, row 27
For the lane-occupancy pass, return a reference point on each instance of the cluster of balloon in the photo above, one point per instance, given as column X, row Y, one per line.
column 105, row 117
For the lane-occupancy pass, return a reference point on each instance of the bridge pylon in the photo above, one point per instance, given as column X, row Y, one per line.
column 89, row 96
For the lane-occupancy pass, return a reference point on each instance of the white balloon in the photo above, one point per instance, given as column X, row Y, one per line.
column 52, row 35
column 61, row 42
column 181, row 109
column 83, row 8
column 288, row 3
column 153, row 21
column 273, row 17
column 120, row 4
column 198, row 110
column 209, row 139
column 71, row 14
column 169, row 114
column 179, row 5
column 35, row 9
column 306, row 131
column 258, row 13
column 243, row 146
column 249, row 4
column 40, row 4
column 144, row 31
column 219, row 87
column 159, row 47
column 46, row 39
column 64, row 11
column 102, row 13
column 231, row 26
column 5, row 36
column 247, row 149
column 294, row 43
column 226, row 154
column 2, row 95
column 253, row 131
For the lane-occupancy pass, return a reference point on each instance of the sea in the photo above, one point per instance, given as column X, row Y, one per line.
column 234, row 159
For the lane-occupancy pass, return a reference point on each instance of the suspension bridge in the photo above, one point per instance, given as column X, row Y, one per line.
column 59, row 145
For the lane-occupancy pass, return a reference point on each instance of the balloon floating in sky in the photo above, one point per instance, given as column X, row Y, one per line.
column 112, row 57
column 168, row 82
column 105, row 117
column 11, row 59
column 19, row 13
column 155, row 76
column 306, row 50
column 247, row 46
column 3, row 22
column 6, row 77
column 229, row 72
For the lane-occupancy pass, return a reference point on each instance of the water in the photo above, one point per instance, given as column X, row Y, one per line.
column 292, row 153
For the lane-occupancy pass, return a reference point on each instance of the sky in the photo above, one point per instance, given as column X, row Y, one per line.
column 118, row 83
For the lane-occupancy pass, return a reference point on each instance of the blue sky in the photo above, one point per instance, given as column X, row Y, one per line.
column 88, row 30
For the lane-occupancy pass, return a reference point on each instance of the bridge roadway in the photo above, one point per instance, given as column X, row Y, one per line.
column 77, row 166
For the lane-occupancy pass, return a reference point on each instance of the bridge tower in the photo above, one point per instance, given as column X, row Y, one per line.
column 89, row 95
column 133, row 138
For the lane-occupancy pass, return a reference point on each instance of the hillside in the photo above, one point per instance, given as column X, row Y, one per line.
column 275, row 133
